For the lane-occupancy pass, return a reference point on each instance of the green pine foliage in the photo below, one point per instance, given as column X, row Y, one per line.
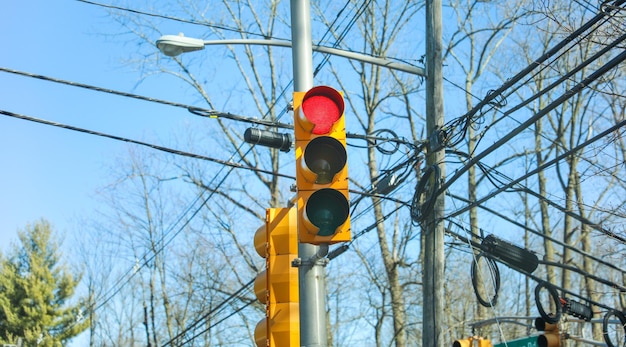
column 36, row 291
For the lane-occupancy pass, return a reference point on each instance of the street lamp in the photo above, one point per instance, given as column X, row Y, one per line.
column 173, row 45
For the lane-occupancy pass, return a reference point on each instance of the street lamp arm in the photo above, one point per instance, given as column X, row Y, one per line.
column 328, row 50
column 173, row 45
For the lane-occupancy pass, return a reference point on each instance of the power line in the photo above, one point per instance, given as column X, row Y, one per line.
column 544, row 166
column 497, row 99
column 541, row 113
column 476, row 246
column 206, row 315
column 540, row 234
column 202, row 112
column 157, row 147
column 182, row 20
column 193, row 109
column 539, row 61
column 121, row 282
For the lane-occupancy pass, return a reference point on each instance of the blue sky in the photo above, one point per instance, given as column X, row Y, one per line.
column 53, row 173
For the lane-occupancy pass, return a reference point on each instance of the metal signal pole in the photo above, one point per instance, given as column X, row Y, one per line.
column 311, row 274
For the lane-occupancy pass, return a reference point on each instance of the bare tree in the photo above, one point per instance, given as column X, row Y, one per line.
column 375, row 285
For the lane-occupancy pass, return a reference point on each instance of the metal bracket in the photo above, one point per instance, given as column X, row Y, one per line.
column 313, row 261
column 437, row 140
column 319, row 259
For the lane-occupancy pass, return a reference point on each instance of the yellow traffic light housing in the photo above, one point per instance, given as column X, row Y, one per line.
column 321, row 166
column 463, row 343
column 472, row 341
column 551, row 336
column 277, row 286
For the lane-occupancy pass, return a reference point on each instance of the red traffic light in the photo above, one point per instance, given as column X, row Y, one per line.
column 321, row 107
column 321, row 166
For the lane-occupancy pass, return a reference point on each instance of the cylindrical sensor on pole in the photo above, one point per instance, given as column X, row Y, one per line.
column 268, row 138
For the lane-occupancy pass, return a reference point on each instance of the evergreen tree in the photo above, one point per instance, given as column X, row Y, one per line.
column 35, row 292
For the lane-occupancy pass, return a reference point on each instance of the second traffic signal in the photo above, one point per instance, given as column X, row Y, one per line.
column 551, row 336
column 277, row 286
column 473, row 341
column 321, row 166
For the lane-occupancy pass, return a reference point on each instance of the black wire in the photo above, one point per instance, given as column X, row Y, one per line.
column 490, row 100
column 193, row 109
column 425, row 194
column 182, row 20
column 574, row 90
column 122, row 282
column 586, row 274
column 554, row 317
column 341, row 36
column 539, row 61
column 605, row 327
column 157, row 147
column 543, row 167
column 494, row 273
column 215, row 324
column 478, row 247
column 206, row 315
column 533, row 231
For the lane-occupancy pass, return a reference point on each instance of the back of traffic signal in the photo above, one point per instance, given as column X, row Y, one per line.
column 277, row 286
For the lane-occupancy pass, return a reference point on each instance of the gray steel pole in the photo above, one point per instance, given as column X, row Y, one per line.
column 311, row 273
column 433, row 229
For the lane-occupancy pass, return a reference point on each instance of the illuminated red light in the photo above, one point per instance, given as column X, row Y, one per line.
column 322, row 107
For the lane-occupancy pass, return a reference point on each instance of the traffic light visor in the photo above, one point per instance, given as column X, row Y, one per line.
column 321, row 107
column 260, row 333
column 462, row 343
column 549, row 340
column 324, row 157
column 327, row 209
column 260, row 287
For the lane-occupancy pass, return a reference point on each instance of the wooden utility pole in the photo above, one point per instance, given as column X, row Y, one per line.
column 433, row 227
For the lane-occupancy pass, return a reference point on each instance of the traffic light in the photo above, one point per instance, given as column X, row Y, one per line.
column 321, row 166
column 277, row 286
column 472, row 341
column 551, row 336
column 463, row 343
column 484, row 343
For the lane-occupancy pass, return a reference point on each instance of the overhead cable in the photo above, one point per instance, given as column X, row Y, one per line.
column 157, row 147
column 193, row 109
column 496, row 98
column 182, row 20
column 533, row 231
column 477, row 246
column 202, row 112
column 595, row 226
column 539, row 61
column 541, row 113
column 207, row 314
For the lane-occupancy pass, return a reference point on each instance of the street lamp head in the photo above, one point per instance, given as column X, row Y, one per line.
column 173, row 45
